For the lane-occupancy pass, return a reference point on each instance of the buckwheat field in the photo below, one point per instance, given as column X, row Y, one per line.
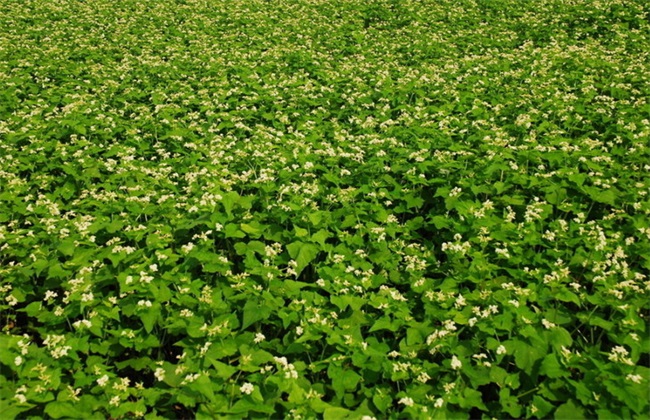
column 324, row 209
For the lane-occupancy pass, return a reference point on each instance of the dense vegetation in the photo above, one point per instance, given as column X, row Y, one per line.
column 336, row 208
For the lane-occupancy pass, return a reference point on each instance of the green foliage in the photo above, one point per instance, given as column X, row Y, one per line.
column 336, row 209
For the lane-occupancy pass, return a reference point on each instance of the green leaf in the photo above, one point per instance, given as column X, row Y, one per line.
column 336, row 413
column 260, row 357
column 441, row 222
column 224, row 348
column 114, row 226
column 350, row 379
column 241, row 248
column 34, row 308
column 567, row 296
column 253, row 312
column 543, row 407
column 343, row 380
column 149, row 317
column 67, row 247
column 224, row 371
column 257, row 246
column 315, row 217
column 12, row 411
column 57, row 409
column 551, row 367
column 607, row 196
column 578, row 178
column 509, row 403
column 297, row 394
column 472, row 398
column 525, row 355
column 300, row 232
column 153, row 240
column 245, row 405
column 632, row 396
column 382, row 400
column 383, row 323
column 321, row 237
column 254, row 229
column 559, row 337
column 498, row 375
column 204, row 386
column 6, row 343
column 231, row 230
column 257, row 395
column 413, row 201
column 56, row 271
column 569, row 410
column 229, row 200
column 413, row 337
column 600, row 322
column 556, row 195
column 303, row 254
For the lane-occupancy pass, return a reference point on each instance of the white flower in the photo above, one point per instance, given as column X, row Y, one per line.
column 60, row 351
column 281, row 360
column 547, row 324
column 291, row 372
column 501, row 350
column 102, row 381
column 634, row 378
column 82, row 323
column 619, row 354
column 145, row 278
column 190, row 378
column 49, row 295
column 159, row 374
column 407, row 401
column 259, row 337
column 187, row 248
column 186, row 313
column 439, row 403
column 424, row 377
column 455, row 363
column 18, row 360
column 247, row 388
